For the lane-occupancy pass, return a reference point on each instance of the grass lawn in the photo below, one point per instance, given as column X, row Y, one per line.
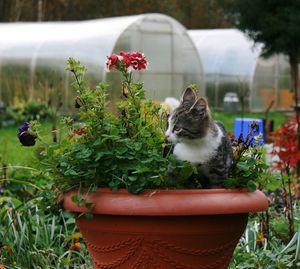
column 16, row 154
column 11, row 149
column 228, row 119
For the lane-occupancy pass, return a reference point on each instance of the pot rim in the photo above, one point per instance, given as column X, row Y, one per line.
column 170, row 202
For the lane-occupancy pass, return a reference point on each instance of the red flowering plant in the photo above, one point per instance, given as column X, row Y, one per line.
column 124, row 149
column 286, row 146
column 122, row 62
column 286, row 158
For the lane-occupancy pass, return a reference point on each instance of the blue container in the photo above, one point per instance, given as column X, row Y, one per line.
column 242, row 126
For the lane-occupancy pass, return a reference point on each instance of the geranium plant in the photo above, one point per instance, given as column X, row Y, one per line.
column 126, row 149
column 103, row 149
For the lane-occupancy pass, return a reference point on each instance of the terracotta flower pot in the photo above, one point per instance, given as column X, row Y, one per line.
column 183, row 229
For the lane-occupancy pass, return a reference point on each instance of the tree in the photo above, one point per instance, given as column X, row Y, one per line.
column 276, row 24
column 191, row 13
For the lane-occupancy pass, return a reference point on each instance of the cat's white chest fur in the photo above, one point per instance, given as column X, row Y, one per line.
column 198, row 150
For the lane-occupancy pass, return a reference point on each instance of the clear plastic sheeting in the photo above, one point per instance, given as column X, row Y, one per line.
column 232, row 63
column 33, row 57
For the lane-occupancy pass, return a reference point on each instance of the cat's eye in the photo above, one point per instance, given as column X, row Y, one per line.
column 176, row 129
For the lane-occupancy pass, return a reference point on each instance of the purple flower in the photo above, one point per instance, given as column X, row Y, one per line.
column 24, row 127
column 26, row 137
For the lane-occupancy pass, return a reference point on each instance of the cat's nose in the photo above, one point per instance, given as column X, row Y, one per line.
column 167, row 137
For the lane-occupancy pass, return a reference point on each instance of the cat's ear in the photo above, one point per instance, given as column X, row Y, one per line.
column 202, row 102
column 189, row 95
column 199, row 105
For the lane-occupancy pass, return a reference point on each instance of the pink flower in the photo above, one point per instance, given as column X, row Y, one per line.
column 138, row 61
column 112, row 62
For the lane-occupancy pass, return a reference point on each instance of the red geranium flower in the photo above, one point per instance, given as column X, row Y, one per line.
column 112, row 62
column 126, row 58
column 136, row 60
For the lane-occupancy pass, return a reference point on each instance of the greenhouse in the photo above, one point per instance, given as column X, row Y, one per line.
column 232, row 63
column 33, row 56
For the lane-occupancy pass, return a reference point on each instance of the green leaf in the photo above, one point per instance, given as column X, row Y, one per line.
column 135, row 189
column 142, row 170
column 84, row 153
column 75, row 199
column 94, row 188
column 89, row 216
column 114, row 131
column 251, row 186
column 114, row 185
column 243, row 166
column 88, row 205
column 71, row 172
column 121, row 150
column 186, row 171
column 251, row 162
column 99, row 155
column 132, row 178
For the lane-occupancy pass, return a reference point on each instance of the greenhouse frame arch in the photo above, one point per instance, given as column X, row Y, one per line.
column 233, row 63
column 33, row 56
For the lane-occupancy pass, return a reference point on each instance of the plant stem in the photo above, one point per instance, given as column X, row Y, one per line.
column 77, row 81
column 290, row 209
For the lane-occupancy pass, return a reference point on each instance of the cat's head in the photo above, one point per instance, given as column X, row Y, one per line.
column 190, row 120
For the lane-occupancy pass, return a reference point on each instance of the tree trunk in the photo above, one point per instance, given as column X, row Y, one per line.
column 40, row 10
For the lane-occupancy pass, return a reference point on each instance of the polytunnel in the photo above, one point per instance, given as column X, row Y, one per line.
column 33, row 56
column 232, row 63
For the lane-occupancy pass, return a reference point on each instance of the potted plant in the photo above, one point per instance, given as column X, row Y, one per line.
column 113, row 167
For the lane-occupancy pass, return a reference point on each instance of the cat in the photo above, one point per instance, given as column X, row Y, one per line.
column 199, row 139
